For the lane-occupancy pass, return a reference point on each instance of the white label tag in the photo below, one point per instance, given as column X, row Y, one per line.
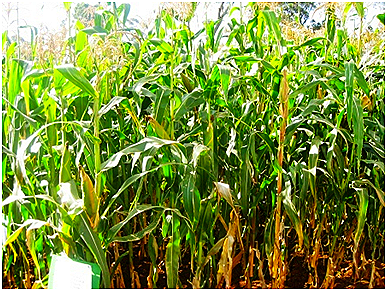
column 68, row 274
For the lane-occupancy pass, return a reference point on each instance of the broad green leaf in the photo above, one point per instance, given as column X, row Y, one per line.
column 129, row 182
column 93, row 242
column 36, row 73
column 359, row 8
column 17, row 69
column 213, row 251
column 273, row 23
column 362, row 195
column 140, row 234
column 305, row 88
column 354, row 108
column 153, row 254
column 248, row 59
column 310, row 42
column 95, row 30
column 191, row 198
column 330, row 26
column 80, row 41
column 380, row 164
column 126, row 13
column 358, row 128
column 74, row 76
column 349, row 77
column 268, row 141
column 225, row 77
column 382, row 18
column 245, row 180
column 172, row 255
column 232, row 35
column 137, row 87
column 162, row 46
column 32, row 223
column 292, row 212
column 162, row 101
column 313, row 106
column 361, row 81
column 379, row 192
column 65, row 165
column 67, row 6
column 113, row 102
column 188, row 102
column 140, row 147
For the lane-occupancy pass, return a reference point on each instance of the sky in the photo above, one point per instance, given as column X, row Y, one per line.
column 51, row 14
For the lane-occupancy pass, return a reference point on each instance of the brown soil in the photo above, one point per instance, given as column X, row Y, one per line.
column 297, row 277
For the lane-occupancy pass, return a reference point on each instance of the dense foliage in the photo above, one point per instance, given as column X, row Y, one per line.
column 242, row 143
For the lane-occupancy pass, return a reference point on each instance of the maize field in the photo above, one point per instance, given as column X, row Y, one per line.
column 247, row 153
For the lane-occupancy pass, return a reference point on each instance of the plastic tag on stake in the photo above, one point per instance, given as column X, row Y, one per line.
column 66, row 273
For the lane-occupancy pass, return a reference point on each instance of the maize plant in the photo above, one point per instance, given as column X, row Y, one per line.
column 237, row 154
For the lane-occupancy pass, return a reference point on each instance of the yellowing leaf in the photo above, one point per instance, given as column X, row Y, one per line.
column 90, row 199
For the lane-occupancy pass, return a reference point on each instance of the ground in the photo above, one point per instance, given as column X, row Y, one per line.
column 297, row 277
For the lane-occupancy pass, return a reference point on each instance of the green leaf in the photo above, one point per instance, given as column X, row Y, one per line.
column 311, row 42
column 188, row 102
column 144, row 145
column 305, row 88
column 379, row 192
column 36, row 73
column 74, row 76
column 94, row 244
column 358, row 128
column 140, row 234
column 113, row 102
column 173, row 253
column 67, row 6
column 80, row 41
column 17, row 69
column 95, row 29
column 134, row 212
column 162, row 100
column 349, row 77
column 191, row 198
column 292, row 212
column 362, row 195
column 361, row 81
column 382, row 18
column 273, row 23
column 225, row 77
column 330, row 26
column 126, row 13
column 162, row 46
column 354, row 108
column 129, row 182
column 32, row 223
column 359, row 8
column 65, row 165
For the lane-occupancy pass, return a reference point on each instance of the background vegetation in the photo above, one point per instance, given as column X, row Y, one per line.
column 252, row 142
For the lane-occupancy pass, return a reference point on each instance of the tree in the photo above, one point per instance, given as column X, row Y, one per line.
column 297, row 11
column 85, row 13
